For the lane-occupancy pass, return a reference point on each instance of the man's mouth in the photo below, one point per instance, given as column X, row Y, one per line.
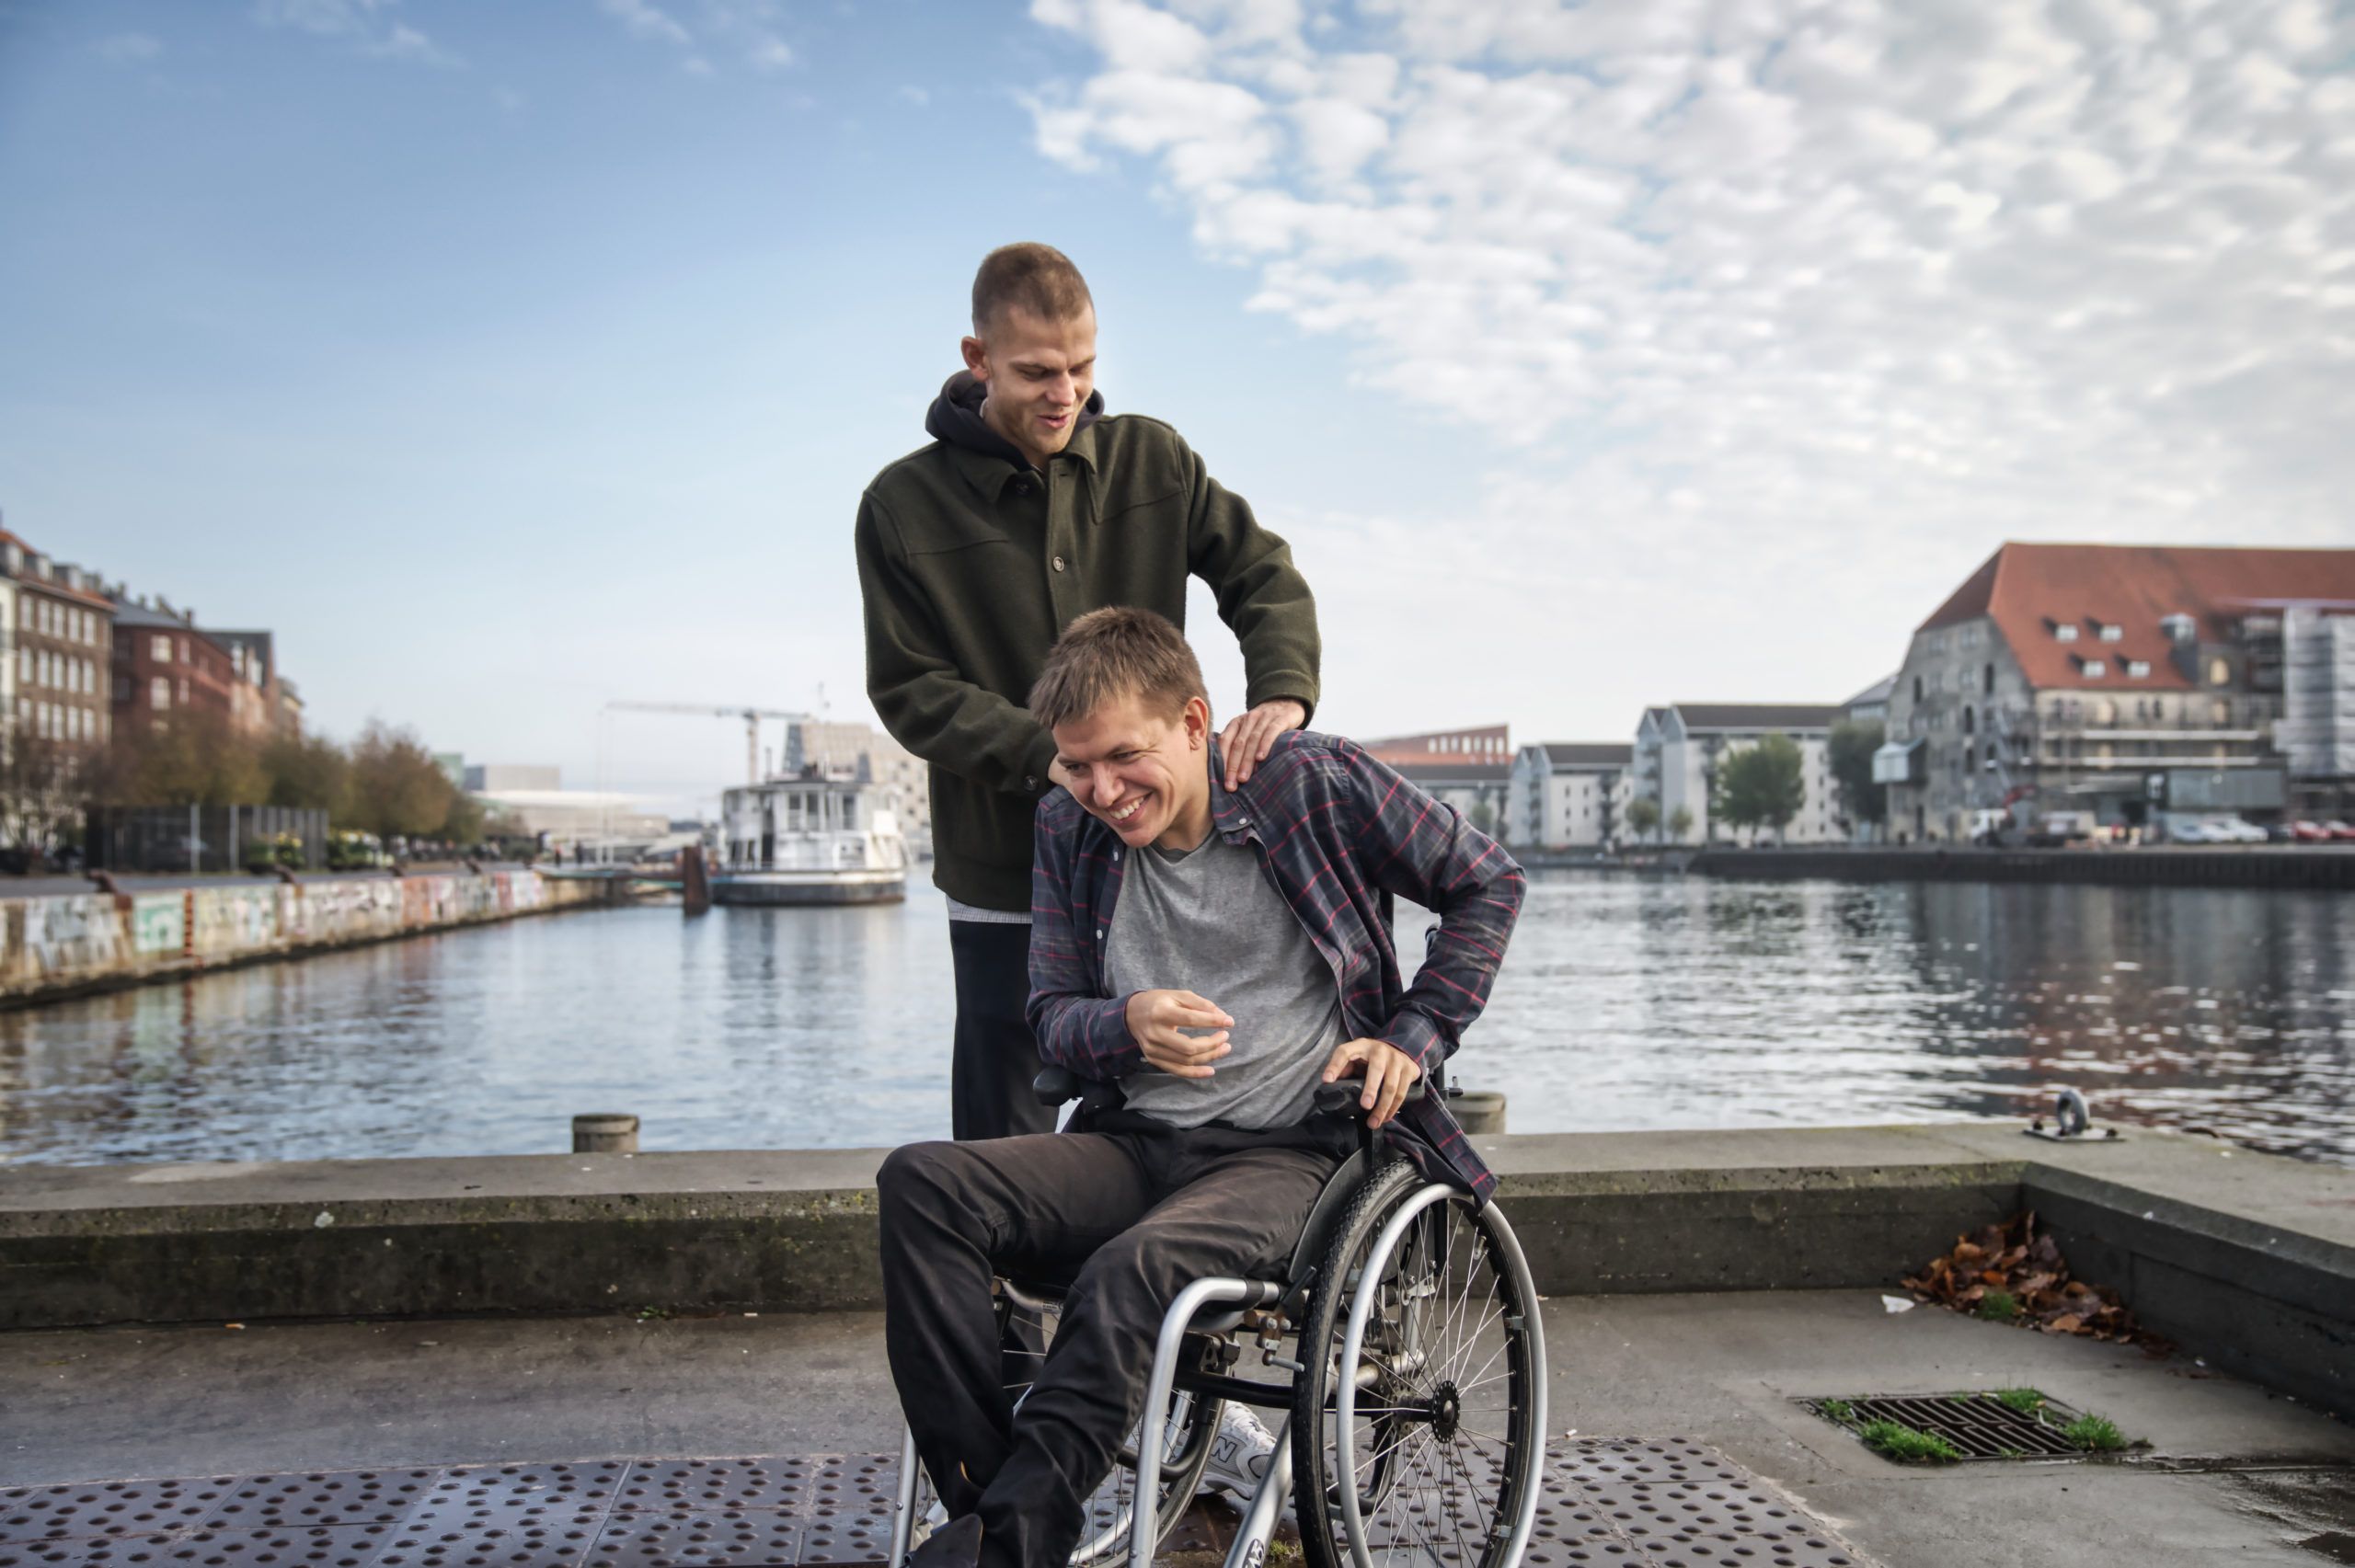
column 1054, row 421
column 1119, row 815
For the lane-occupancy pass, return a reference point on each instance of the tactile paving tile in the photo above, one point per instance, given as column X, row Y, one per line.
column 730, row 1537
column 323, row 1497
column 1607, row 1504
column 108, row 1507
column 339, row 1546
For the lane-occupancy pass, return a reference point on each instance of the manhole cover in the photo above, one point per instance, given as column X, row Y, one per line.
column 1980, row 1426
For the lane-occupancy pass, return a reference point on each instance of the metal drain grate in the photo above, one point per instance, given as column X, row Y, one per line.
column 1980, row 1425
column 1632, row 1504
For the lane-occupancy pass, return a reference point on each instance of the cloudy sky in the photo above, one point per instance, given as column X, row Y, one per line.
column 509, row 360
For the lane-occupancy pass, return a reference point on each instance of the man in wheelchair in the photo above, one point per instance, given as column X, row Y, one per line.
column 1204, row 960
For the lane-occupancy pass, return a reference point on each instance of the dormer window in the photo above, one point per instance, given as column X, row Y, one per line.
column 2108, row 630
column 2064, row 631
column 2094, row 669
column 2138, row 668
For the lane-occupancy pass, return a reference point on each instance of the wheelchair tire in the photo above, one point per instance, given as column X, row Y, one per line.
column 1443, row 1446
column 1104, row 1541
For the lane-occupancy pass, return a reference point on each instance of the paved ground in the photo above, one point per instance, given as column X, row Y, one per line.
column 2232, row 1473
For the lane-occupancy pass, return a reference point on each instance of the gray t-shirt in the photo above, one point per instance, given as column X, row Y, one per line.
column 1208, row 921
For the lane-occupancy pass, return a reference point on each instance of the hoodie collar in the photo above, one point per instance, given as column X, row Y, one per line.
column 987, row 459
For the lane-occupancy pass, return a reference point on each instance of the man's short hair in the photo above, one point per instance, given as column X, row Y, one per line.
column 1109, row 654
column 1039, row 277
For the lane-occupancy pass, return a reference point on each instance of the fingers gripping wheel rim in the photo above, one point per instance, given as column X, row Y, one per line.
column 1104, row 1539
column 1438, row 1427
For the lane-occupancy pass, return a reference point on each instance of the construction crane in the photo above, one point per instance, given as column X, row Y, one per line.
column 752, row 717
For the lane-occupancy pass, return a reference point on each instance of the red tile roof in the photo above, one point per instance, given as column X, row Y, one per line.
column 2030, row 590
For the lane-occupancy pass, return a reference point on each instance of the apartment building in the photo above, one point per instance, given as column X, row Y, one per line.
column 1679, row 749
column 61, row 633
column 1567, row 795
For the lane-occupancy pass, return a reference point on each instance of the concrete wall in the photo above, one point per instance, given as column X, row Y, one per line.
column 64, row 945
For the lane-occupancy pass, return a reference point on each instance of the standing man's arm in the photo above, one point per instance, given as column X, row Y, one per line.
column 925, row 705
column 1263, row 598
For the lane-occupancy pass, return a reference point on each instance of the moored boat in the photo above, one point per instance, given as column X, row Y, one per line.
column 810, row 841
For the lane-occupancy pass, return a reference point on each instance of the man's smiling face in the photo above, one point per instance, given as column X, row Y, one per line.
column 1142, row 773
column 1039, row 374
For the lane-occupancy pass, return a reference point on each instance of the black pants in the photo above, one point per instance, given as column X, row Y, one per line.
column 996, row 1056
column 1148, row 1213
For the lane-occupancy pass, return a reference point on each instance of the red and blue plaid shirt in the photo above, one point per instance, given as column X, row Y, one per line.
column 1335, row 829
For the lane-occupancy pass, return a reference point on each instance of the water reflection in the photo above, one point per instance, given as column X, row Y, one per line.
column 1627, row 1002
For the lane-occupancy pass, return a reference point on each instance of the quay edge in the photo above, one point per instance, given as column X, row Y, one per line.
column 59, row 946
column 2245, row 1259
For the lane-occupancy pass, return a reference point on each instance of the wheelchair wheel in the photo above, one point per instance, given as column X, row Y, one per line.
column 1419, row 1417
column 1185, row 1454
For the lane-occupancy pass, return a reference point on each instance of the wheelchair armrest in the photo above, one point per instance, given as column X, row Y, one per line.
column 1341, row 1097
column 1055, row 1085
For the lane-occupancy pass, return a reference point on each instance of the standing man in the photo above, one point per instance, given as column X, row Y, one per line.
column 1029, row 508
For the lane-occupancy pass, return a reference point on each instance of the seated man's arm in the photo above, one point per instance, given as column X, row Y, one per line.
column 1078, row 1027
column 1423, row 850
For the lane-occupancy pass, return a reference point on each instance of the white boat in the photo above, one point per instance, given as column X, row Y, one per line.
column 810, row 841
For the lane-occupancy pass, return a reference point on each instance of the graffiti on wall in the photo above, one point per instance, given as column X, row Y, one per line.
column 233, row 921
column 158, row 923
column 67, row 936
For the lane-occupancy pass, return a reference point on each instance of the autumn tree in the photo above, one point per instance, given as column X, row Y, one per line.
column 41, row 794
column 393, row 785
column 306, row 771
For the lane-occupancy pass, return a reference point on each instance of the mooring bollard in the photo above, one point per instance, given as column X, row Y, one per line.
column 606, row 1133
column 1479, row 1110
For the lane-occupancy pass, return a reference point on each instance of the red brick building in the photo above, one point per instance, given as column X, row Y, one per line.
column 164, row 666
column 60, row 632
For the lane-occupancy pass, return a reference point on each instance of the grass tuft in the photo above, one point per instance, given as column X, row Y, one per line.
column 2095, row 1434
column 1999, row 1306
column 1838, row 1409
column 1902, row 1442
column 2027, row 1401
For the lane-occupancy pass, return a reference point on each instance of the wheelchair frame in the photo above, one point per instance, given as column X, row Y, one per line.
column 1215, row 1307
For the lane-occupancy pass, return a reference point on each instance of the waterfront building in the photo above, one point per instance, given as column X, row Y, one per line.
column 1871, row 704
column 164, row 666
column 1471, row 769
column 1679, row 749
column 2120, row 682
column 860, row 753
column 481, row 777
column 261, row 701
column 1569, row 795
column 60, row 629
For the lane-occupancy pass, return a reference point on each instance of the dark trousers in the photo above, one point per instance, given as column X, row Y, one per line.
column 996, row 1056
column 1139, row 1215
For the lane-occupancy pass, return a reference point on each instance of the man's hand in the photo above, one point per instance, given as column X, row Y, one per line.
column 1058, row 775
column 1156, row 1017
column 1245, row 740
column 1389, row 1072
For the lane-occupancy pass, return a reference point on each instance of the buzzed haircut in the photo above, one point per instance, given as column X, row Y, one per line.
column 1109, row 654
column 1039, row 277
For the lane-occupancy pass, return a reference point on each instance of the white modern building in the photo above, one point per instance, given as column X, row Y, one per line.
column 1567, row 795
column 1678, row 750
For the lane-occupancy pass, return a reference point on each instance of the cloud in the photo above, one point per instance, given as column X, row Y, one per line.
column 910, row 93
column 642, row 19
column 1841, row 281
column 746, row 29
column 366, row 25
column 129, row 49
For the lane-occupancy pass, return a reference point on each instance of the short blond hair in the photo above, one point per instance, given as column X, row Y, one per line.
column 1112, row 653
column 1039, row 277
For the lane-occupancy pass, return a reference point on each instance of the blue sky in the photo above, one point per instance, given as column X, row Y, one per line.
column 510, row 359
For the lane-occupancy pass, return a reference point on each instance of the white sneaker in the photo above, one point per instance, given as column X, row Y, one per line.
column 1241, row 1452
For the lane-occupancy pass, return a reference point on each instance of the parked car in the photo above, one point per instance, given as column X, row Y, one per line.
column 2339, row 830
column 2310, row 832
column 2234, row 831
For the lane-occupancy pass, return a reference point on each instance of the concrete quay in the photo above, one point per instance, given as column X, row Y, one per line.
column 2318, row 866
column 2243, row 1259
column 441, row 1413
column 59, row 944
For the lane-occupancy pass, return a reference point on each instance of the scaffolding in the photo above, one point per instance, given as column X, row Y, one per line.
column 2318, row 729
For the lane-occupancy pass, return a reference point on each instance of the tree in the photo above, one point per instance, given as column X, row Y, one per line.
column 395, row 786
column 1643, row 814
column 1680, row 823
column 194, row 759
column 40, row 797
column 1762, row 785
column 306, row 771
column 1851, row 747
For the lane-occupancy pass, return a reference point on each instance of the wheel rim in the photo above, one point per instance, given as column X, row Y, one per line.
column 1438, row 1428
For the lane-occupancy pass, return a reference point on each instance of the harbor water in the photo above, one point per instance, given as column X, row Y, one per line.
column 1625, row 1002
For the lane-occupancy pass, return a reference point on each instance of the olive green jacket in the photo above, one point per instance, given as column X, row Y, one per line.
column 971, row 566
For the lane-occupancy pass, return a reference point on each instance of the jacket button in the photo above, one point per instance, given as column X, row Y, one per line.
column 1059, row 563
column 1029, row 780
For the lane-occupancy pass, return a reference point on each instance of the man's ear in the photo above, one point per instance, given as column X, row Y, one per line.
column 1196, row 718
column 977, row 357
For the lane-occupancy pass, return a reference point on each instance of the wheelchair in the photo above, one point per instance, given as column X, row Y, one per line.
column 1406, row 1360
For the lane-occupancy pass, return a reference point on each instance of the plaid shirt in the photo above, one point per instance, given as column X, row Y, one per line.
column 1335, row 830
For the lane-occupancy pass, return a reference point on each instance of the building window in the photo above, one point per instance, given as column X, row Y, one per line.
column 2095, row 669
column 2136, row 668
column 2065, row 632
column 159, row 694
column 161, row 650
column 2111, row 632
column 2220, row 672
